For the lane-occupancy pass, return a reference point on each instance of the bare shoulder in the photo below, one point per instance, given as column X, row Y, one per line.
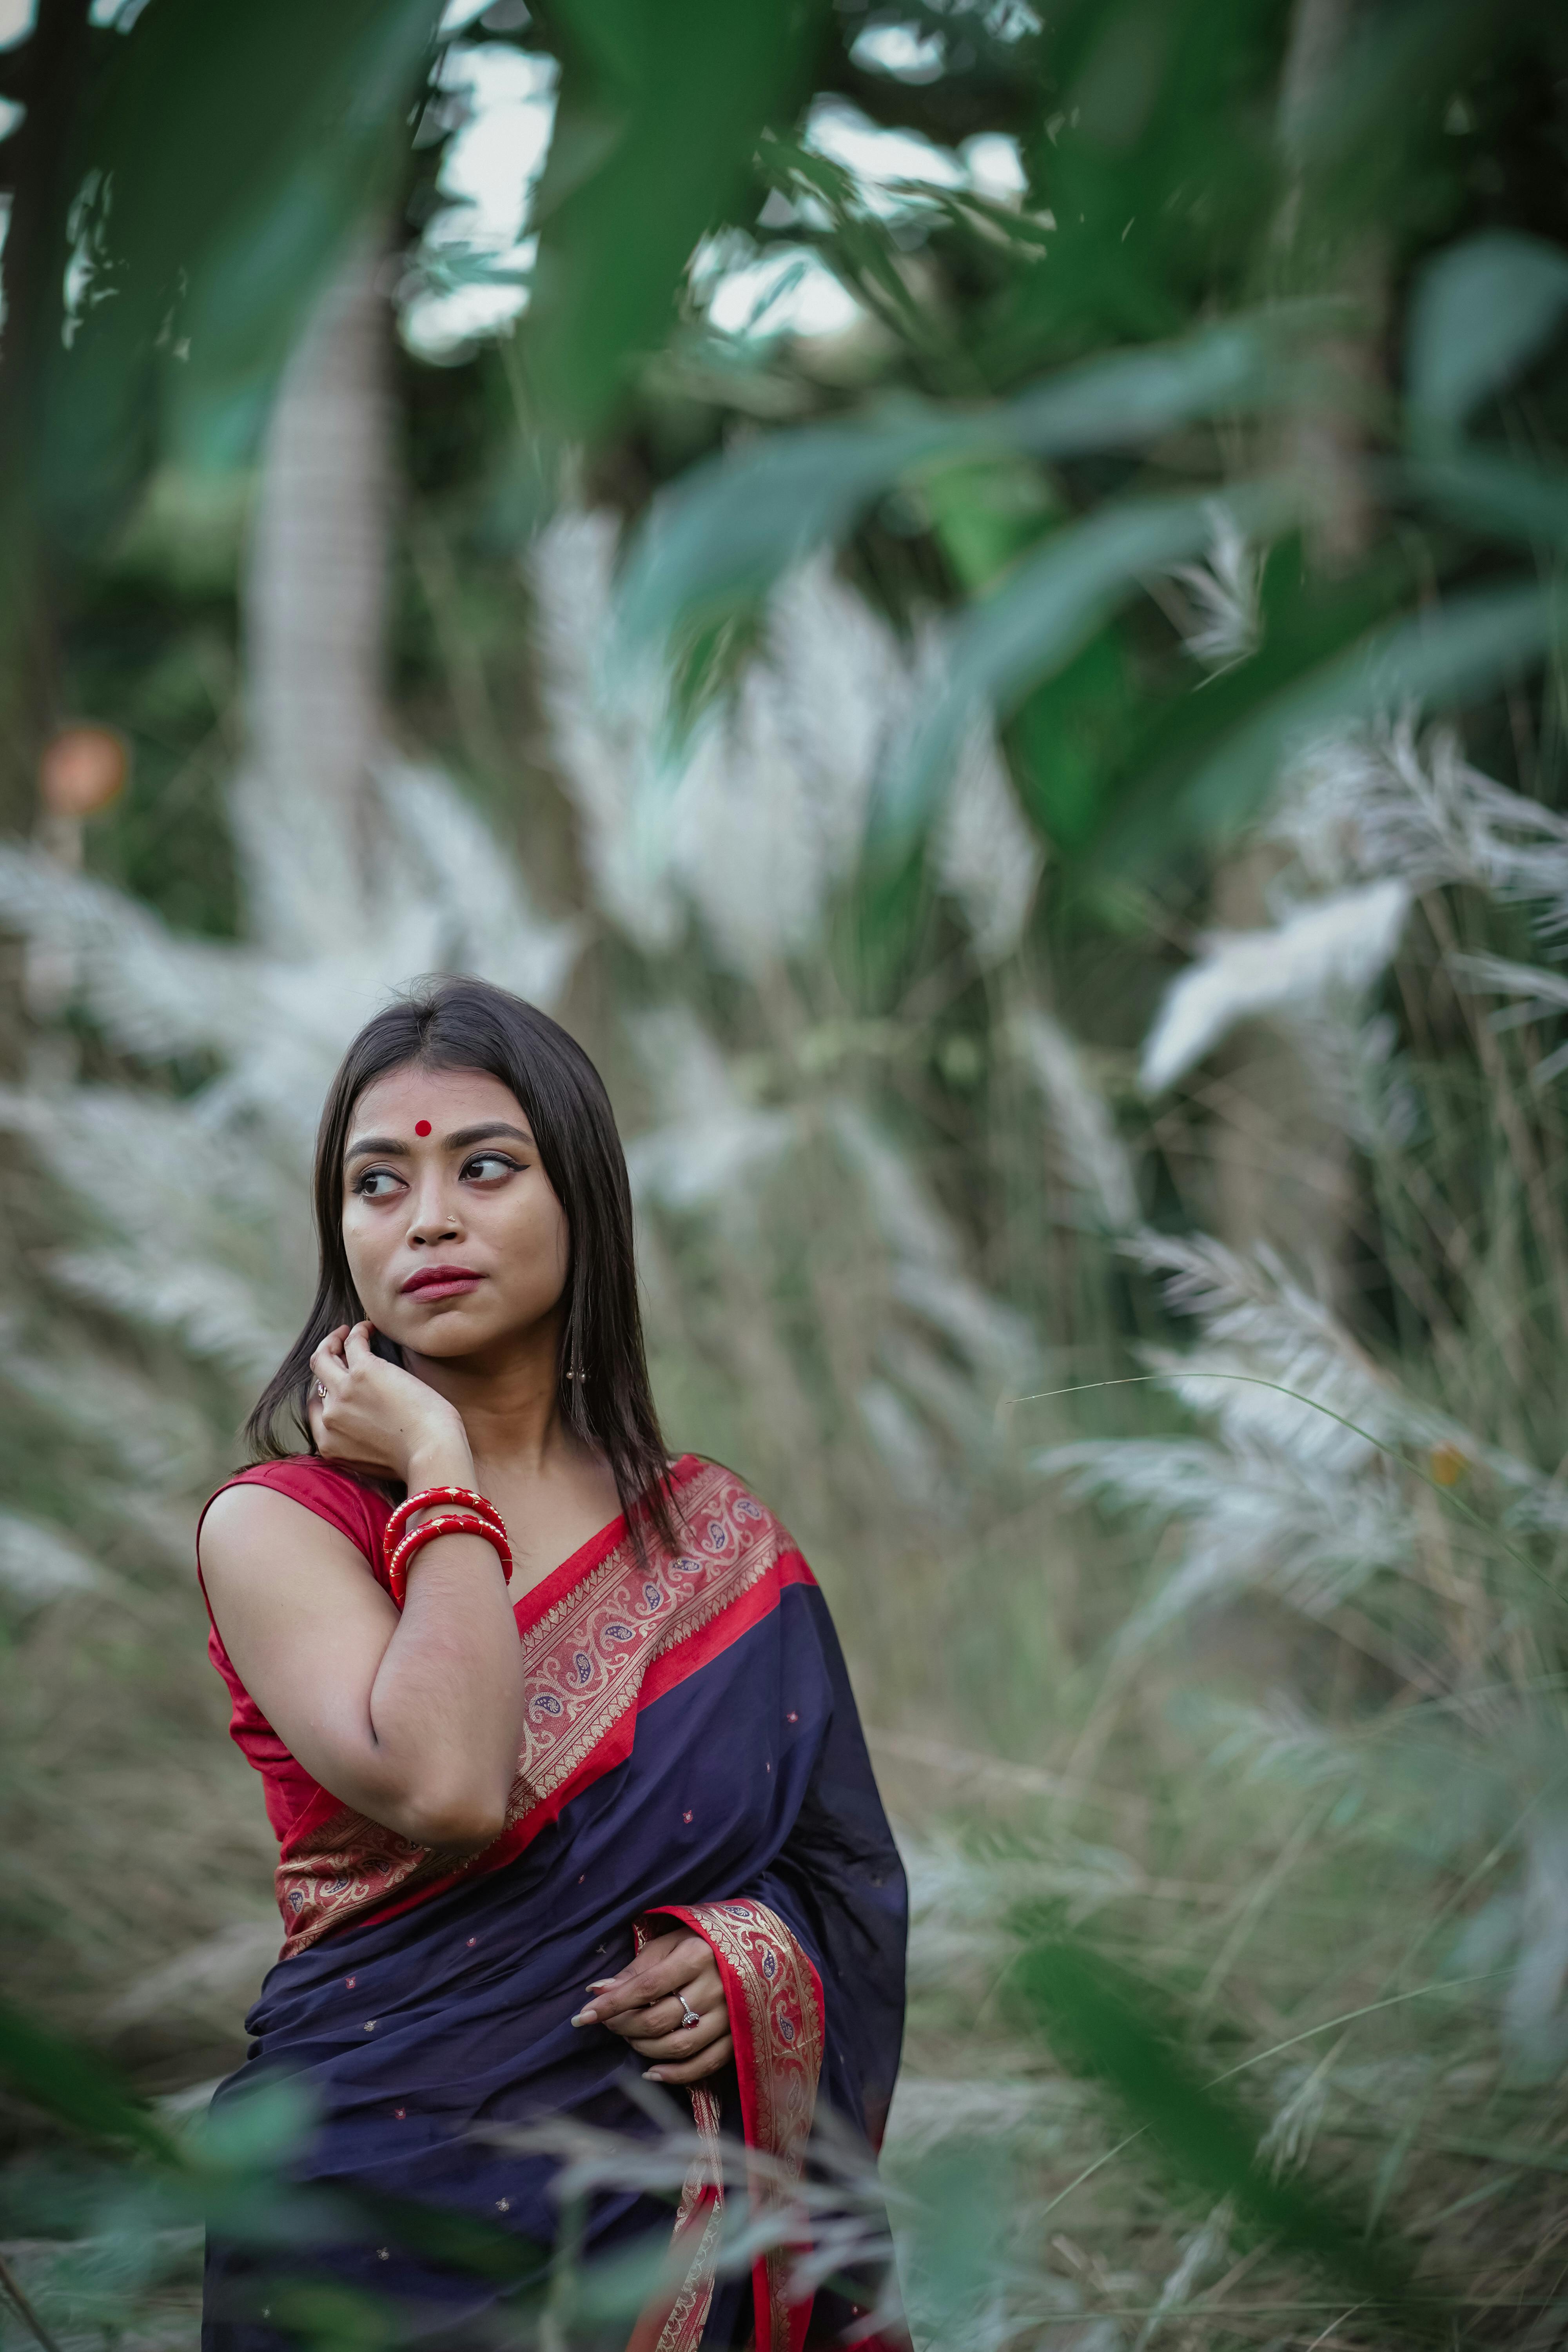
column 251, row 1529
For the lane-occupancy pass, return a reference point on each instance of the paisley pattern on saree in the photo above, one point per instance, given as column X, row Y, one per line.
column 614, row 1639
column 774, row 1999
column 677, row 2313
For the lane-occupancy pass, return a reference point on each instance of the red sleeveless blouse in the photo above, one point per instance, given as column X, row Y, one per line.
column 604, row 1636
column 357, row 1512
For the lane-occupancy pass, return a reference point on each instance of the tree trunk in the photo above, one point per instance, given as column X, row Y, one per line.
column 314, row 624
column 1282, row 1163
column 49, row 75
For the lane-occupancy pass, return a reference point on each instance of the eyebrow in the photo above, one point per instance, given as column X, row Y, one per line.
column 388, row 1147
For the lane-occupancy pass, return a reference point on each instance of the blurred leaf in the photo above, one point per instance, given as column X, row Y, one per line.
column 1497, row 495
column 255, row 2124
column 1368, row 123
column 1174, row 724
column 1044, row 611
column 1153, row 153
column 1069, row 737
column 965, row 2200
column 1482, row 311
column 734, row 523
column 984, row 512
column 657, row 132
column 77, row 2089
column 1465, row 647
column 1111, row 2028
column 232, row 153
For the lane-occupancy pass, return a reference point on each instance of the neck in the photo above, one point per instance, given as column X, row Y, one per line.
column 509, row 1402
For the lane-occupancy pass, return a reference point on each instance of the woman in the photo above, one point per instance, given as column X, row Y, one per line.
column 569, row 1787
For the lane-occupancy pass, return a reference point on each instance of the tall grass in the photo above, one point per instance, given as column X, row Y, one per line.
column 1203, row 1593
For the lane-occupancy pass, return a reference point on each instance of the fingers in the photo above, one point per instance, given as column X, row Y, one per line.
column 357, row 1349
column 646, row 2002
column 664, row 1965
column 703, row 1993
column 663, row 2017
column 325, row 1374
column 718, row 2054
column 326, row 1362
column 685, row 2041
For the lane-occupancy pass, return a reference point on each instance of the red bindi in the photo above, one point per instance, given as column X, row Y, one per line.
column 421, row 1126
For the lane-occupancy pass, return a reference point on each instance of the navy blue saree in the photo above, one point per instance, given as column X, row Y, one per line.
column 691, row 1755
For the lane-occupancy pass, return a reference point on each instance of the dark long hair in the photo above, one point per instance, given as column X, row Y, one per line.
column 601, row 1375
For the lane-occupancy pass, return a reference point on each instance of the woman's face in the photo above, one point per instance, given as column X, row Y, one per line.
column 454, row 1237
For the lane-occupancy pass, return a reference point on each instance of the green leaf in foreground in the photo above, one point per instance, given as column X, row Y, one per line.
column 1104, row 2025
column 78, row 2090
column 660, row 112
column 1041, row 614
column 231, row 154
column 1464, row 648
column 734, row 523
column 1496, row 494
column 1481, row 314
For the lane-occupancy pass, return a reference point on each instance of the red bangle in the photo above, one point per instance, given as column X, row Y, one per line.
column 458, row 1523
column 428, row 1496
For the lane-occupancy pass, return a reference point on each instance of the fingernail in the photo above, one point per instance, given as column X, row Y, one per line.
column 653, row 2076
column 601, row 1984
column 586, row 2017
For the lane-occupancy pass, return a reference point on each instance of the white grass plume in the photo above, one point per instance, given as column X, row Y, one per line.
column 1361, row 1076
column 1279, row 1739
column 1204, row 2251
column 1330, row 947
column 39, row 1562
column 904, row 1443
column 710, row 1147
column 219, row 1970
column 1377, row 802
column 1257, row 1320
column 1226, row 588
column 1291, row 1499
column 927, row 1273
column 751, row 816
column 451, row 899
column 1540, row 995
column 1256, row 1523
column 985, row 855
column 161, row 1441
column 1092, row 1159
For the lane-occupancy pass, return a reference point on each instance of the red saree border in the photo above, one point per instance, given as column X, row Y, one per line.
column 602, row 1637
column 773, row 1995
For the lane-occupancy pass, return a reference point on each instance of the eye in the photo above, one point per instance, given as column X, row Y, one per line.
column 377, row 1184
column 490, row 1167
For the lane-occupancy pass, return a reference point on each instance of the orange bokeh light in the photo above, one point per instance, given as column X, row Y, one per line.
column 1446, row 1464
column 83, row 769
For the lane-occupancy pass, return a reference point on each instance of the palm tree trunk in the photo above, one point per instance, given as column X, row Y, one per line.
column 314, row 624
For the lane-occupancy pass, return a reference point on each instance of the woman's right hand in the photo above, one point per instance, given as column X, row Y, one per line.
column 368, row 1414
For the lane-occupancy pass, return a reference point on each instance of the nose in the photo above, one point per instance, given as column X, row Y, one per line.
column 435, row 1217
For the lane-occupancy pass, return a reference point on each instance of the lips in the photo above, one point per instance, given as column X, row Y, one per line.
column 441, row 1282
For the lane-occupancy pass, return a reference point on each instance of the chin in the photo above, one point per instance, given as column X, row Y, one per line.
column 442, row 1331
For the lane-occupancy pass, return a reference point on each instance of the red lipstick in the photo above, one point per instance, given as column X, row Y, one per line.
column 441, row 1282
